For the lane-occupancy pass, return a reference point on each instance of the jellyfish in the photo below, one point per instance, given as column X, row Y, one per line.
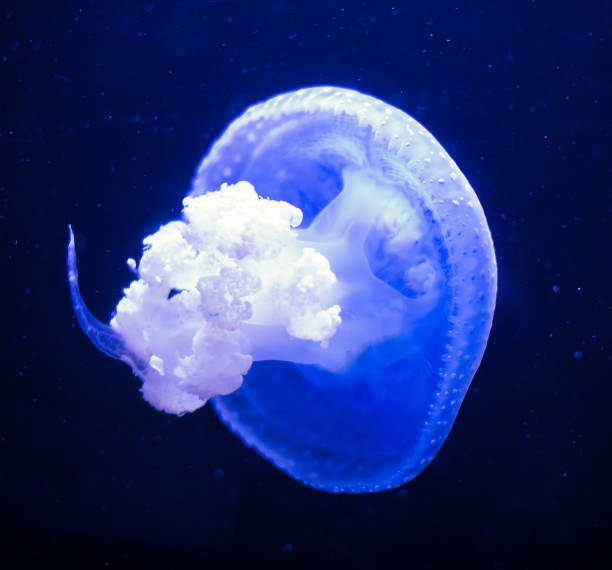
column 330, row 288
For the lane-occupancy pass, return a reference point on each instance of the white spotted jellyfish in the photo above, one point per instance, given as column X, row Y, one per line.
column 330, row 288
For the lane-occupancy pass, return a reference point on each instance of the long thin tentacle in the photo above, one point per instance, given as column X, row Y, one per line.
column 104, row 338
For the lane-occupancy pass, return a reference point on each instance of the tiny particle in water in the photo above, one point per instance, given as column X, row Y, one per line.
column 578, row 355
column 288, row 548
column 131, row 263
column 556, row 288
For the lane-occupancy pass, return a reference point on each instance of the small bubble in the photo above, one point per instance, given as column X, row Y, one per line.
column 556, row 288
column 578, row 355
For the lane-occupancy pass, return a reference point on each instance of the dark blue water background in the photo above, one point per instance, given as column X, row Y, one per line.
column 107, row 109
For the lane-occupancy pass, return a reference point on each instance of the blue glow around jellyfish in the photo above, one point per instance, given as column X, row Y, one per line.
column 414, row 273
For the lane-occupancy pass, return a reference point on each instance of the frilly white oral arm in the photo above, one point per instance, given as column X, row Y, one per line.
column 212, row 292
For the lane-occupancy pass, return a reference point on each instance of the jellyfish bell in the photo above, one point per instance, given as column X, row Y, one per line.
column 330, row 288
